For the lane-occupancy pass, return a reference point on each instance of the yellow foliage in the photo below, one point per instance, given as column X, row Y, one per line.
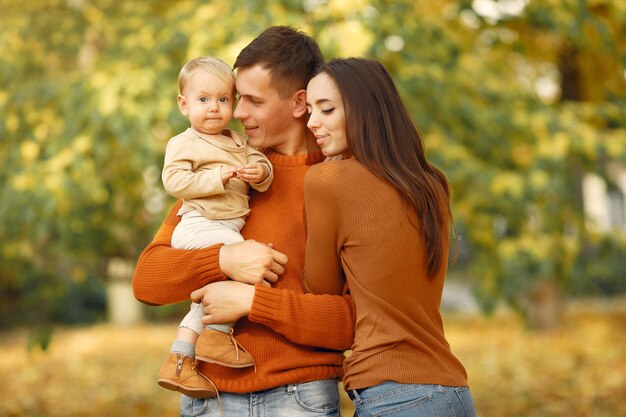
column 12, row 122
column 341, row 8
column 52, row 183
column 18, row 249
column 508, row 183
column 539, row 180
column 523, row 154
column 99, row 195
column 231, row 50
column 78, row 274
column 60, row 161
column 41, row 132
column 23, row 181
column 82, row 144
column 589, row 139
column 554, row 147
column 355, row 40
column 29, row 151
column 538, row 247
column 109, row 101
column 145, row 38
column 615, row 143
column 93, row 14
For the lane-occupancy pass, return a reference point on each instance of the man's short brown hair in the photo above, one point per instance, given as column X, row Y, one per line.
column 291, row 56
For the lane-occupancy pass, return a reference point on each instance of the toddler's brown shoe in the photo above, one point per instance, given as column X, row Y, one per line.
column 179, row 373
column 223, row 349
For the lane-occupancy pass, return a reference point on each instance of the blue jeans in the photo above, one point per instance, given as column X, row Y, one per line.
column 412, row 400
column 310, row 399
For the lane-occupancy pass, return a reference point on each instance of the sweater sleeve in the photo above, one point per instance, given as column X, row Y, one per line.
column 323, row 273
column 325, row 320
column 164, row 275
column 182, row 175
column 321, row 320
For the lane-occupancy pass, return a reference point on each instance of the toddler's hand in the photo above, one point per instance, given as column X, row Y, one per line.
column 227, row 173
column 253, row 173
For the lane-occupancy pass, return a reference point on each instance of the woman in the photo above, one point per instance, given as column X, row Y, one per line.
column 380, row 221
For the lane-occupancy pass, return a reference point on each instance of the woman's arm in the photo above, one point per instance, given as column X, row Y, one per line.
column 323, row 272
column 324, row 320
column 320, row 320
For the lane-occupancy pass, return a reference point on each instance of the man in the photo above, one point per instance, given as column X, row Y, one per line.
column 280, row 326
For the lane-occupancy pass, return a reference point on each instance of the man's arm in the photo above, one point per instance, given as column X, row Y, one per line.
column 164, row 275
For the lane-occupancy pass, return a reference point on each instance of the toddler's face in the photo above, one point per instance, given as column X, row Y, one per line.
column 207, row 101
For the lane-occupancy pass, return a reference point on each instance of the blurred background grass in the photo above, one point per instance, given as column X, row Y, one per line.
column 106, row 370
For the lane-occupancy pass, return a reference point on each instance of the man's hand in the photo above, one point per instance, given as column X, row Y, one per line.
column 251, row 262
column 224, row 301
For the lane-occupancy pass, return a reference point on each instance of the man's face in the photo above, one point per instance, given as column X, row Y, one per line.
column 266, row 117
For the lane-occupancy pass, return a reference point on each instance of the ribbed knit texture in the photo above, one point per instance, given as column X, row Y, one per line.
column 285, row 328
column 359, row 224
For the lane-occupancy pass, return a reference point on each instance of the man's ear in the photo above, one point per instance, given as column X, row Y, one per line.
column 299, row 104
column 182, row 104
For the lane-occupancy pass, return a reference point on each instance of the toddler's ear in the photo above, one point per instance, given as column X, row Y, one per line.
column 182, row 104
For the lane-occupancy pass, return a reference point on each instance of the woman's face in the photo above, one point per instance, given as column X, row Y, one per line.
column 327, row 118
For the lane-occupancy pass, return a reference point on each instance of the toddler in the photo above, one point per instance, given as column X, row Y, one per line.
column 202, row 166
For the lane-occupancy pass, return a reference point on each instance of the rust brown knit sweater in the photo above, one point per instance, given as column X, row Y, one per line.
column 294, row 337
column 360, row 226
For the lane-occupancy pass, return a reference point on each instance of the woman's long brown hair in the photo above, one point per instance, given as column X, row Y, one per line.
column 382, row 137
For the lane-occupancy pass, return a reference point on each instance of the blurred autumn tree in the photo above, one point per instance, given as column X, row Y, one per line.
column 516, row 101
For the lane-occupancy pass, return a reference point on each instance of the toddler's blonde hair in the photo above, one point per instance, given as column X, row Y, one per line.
column 210, row 64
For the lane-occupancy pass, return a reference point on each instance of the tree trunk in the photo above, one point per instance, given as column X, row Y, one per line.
column 122, row 307
column 545, row 306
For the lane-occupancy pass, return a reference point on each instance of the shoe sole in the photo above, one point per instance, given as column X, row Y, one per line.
column 190, row 392
column 226, row 364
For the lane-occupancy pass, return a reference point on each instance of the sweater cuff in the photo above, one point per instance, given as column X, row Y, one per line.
column 207, row 264
column 265, row 305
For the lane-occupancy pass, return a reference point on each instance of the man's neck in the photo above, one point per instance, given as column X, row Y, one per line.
column 296, row 143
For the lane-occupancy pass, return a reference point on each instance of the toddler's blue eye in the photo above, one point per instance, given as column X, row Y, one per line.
column 203, row 99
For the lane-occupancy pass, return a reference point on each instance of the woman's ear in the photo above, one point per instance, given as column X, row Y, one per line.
column 299, row 104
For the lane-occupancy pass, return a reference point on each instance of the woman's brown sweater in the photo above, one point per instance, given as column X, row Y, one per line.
column 362, row 230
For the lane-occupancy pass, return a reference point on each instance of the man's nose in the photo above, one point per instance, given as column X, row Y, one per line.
column 240, row 112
